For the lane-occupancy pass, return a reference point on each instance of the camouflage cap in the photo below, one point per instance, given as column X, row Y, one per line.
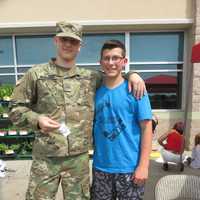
column 72, row 30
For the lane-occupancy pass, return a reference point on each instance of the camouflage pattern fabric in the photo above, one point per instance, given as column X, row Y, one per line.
column 72, row 30
column 50, row 90
column 46, row 174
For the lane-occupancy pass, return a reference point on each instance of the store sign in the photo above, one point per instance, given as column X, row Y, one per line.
column 196, row 53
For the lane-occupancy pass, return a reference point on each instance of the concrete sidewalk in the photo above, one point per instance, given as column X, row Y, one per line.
column 14, row 185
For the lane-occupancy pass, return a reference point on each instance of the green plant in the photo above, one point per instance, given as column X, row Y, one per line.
column 3, row 147
column 25, row 148
column 15, row 147
column 6, row 91
column 12, row 127
column 2, row 109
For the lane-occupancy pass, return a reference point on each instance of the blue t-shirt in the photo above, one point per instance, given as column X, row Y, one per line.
column 117, row 132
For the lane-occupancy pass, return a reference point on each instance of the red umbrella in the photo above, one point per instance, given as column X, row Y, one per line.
column 196, row 53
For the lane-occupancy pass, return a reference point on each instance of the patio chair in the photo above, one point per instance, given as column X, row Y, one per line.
column 174, row 187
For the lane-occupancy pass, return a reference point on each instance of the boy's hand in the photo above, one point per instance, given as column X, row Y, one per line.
column 136, row 85
column 140, row 175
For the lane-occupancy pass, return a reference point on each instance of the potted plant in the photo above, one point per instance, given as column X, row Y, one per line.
column 2, row 110
column 3, row 148
column 9, row 150
column 15, row 147
column 26, row 148
column 6, row 92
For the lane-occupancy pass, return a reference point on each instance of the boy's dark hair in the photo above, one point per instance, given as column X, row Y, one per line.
column 179, row 127
column 111, row 44
column 197, row 139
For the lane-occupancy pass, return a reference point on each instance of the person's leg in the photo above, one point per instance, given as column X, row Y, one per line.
column 102, row 186
column 43, row 182
column 166, row 158
column 75, row 177
column 170, row 157
column 189, row 160
column 126, row 189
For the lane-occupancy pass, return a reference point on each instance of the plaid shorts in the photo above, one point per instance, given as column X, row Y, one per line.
column 106, row 186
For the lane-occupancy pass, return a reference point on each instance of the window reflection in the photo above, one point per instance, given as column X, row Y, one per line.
column 92, row 43
column 7, row 79
column 34, row 49
column 156, row 56
column 156, row 46
column 164, row 90
column 6, row 51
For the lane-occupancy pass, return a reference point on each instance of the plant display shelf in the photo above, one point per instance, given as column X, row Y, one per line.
column 29, row 136
column 12, row 140
column 16, row 157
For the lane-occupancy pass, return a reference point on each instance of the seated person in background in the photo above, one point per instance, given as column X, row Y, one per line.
column 173, row 144
column 154, row 125
column 194, row 162
column 154, row 122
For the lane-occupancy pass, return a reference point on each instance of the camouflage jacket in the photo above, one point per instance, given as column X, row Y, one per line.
column 50, row 90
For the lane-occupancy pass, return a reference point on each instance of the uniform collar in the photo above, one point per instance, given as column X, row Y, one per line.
column 61, row 71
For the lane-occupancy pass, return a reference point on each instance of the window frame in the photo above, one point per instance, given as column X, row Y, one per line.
column 127, row 35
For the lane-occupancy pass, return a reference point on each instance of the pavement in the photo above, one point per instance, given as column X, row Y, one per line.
column 13, row 186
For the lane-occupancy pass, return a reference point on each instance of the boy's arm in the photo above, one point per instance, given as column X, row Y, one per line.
column 141, row 172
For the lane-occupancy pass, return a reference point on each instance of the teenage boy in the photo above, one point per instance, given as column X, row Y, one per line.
column 122, row 132
column 55, row 99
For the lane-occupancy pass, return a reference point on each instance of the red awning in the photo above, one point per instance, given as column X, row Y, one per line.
column 196, row 53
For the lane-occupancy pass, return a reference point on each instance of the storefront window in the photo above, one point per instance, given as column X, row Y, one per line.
column 34, row 49
column 157, row 56
column 91, row 46
column 7, row 79
column 156, row 47
column 6, row 51
column 164, row 88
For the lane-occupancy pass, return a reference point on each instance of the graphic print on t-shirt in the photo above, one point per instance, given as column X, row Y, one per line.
column 109, row 122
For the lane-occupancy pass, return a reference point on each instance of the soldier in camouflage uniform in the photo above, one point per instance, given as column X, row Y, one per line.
column 44, row 97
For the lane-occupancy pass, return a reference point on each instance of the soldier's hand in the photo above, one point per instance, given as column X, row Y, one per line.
column 47, row 125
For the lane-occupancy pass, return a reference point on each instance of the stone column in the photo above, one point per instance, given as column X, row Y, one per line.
column 193, row 93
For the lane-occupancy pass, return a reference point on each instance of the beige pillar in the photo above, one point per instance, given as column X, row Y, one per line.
column 193, row 90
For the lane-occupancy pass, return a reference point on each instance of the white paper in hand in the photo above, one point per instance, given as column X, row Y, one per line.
column 64, row 130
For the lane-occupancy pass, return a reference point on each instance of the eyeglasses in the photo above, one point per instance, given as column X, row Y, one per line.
column 115, row 59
